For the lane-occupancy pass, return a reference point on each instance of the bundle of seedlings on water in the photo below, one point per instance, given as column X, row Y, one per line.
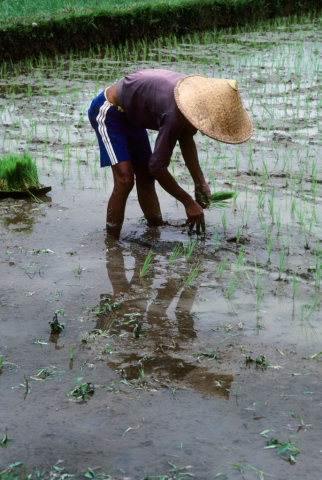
column 221, row 199
column 18, row 173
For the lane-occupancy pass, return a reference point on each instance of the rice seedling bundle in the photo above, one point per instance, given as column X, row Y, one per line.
column 18, row 173
column 221, row 199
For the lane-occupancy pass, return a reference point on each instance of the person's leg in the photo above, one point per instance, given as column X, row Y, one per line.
column 123, row 184
column 147, row 196
column 140, row 153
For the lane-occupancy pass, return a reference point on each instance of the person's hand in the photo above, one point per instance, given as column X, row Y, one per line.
column 202, row 194
column 195, row 216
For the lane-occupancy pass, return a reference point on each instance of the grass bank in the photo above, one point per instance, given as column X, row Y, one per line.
column 49, row 27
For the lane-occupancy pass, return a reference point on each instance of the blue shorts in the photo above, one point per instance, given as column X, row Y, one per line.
column 118, row 139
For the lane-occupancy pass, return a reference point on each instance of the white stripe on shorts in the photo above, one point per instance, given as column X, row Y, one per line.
column 102, row 130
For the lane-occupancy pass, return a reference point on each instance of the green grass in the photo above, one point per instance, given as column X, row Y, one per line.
column 27, row 11
column 18, row 173
column 29, row 28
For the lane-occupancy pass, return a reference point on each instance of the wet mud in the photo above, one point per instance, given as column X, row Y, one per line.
column 193, row 377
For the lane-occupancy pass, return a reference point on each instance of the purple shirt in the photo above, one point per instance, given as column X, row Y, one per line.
column 147, row 96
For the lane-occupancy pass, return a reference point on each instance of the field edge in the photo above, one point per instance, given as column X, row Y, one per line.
column 77, row 32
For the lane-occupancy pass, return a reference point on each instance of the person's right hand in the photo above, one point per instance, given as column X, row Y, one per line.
column 195, row 216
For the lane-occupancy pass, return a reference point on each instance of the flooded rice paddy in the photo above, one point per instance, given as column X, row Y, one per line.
column 209, row 358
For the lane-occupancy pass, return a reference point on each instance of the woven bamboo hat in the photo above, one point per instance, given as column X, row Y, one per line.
column 214, row 106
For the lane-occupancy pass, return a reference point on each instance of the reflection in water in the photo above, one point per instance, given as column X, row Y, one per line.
column 53, row 338
column 18, row 221
column 154, row 332
column 19, row 216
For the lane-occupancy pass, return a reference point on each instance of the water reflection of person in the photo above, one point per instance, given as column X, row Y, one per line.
column 124, row 274
column 118, row 266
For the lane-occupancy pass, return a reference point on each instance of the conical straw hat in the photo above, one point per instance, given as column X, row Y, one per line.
column 214, row 106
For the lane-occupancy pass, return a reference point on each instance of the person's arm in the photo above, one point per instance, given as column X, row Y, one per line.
column 190, row 156
column 193, row 210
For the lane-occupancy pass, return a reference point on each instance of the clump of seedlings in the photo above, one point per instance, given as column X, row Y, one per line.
column 18, row 173
column 82, row 391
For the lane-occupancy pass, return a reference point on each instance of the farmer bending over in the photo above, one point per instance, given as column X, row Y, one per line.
column 176, row 106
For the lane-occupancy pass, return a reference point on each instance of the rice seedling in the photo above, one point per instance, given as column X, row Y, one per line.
column 147, row 264
column 271, row 204
column 221, row 267
column 278, row 221
column 260, row 292
column 238, row 234
column 294, row 283
column 241, row 256
column 189, row 248
column 175, row 254
column 293, row 206
column 318, row 269
column 261, row 199
column 194, row 272
column 246, row 190
column 307, row 231
column 142, row 375
column 233, row 285
column 216, row 234
column 224, row 223
column 269, row 247
column 309, row 308
column 18, row 173
column 263, row 225
column 282, row 263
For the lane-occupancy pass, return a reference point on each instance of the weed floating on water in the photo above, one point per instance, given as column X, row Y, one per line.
column 82, row 391
column 55, row 326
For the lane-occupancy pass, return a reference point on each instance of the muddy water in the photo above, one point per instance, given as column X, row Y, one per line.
column 189, row 380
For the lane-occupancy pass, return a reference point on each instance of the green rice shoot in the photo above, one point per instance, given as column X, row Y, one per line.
column 18, row 173
column 221, row 199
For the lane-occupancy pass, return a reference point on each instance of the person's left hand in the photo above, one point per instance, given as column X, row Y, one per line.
column 202, row 194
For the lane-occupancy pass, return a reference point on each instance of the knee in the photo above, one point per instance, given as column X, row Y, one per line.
column 144, row 178
column 125, row 183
